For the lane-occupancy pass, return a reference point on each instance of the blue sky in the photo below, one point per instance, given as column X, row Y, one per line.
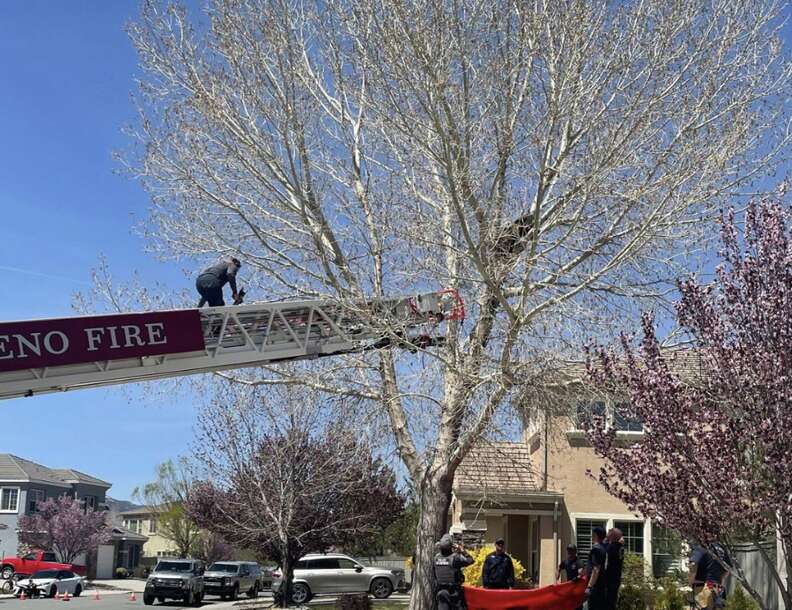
column 66, row 76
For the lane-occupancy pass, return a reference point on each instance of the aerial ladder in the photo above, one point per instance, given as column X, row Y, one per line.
column 56, row 355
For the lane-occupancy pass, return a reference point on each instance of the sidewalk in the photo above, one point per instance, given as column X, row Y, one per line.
column 120, row 584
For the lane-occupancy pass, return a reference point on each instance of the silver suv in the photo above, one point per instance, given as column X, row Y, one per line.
column 230, row 578
column 180, row 579
column 332, row 574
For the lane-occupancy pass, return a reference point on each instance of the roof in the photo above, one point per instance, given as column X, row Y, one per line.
column 142, row 511
column 122, row 533
column 75, row 476
column 14, row 468
column 497, row 468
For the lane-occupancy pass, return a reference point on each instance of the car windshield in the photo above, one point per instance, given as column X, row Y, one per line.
column 173, row 566
column 45, row 574
column 224, row 567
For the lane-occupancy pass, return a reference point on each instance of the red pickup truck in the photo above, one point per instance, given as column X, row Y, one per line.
column 33, row 562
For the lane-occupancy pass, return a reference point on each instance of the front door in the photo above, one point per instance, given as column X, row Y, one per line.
column 351, row 580
column 324, row 575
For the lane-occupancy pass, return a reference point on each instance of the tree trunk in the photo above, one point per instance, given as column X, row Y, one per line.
column 287, row 574
column 435, row 500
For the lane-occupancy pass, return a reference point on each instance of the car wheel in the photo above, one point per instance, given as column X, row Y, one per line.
column 53, row 591
column 301, row 594
column 188, row 598
column 149, row 599
column 77, row 591
column 7, row 573
column 161, row 600
column 235, row 592
column 381, row 588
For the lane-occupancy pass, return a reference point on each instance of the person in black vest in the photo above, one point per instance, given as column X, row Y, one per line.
column 448, row 564
column 613, row 567
column 595, row 571
column 498, row 570
column 571, row 567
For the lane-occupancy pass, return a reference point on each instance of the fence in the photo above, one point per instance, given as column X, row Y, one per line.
column 757, row 573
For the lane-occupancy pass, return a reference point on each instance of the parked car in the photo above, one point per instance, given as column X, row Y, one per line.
column 35, row 562
column 180, row 579
column 230, row 578
column 332, row 574
column 49, row 583
column 267, row 576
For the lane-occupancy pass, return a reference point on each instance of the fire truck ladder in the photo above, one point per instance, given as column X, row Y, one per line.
column 259, row 333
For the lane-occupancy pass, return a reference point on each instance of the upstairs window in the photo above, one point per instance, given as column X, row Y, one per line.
column 9, row 499
column 134, row 525
column 588, row 413
column 614, row 415
column 35, row 498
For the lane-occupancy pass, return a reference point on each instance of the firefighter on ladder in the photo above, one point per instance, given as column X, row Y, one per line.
column 211, row 280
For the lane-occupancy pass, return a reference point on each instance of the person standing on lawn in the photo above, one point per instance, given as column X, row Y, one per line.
column 498, row 570
column 571, row 567
column 595, row 571
column 613, row 566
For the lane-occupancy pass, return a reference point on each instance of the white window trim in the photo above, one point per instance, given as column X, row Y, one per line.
column 18, row 498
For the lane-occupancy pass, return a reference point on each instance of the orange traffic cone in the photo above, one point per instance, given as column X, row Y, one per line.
column 96, row 594
column 132, row 597
column 66, row 597
column 22, row 596
column 57, row 594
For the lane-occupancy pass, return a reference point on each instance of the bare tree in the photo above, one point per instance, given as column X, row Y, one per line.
column 283, row 478
column 546, row 159
column 165, row 499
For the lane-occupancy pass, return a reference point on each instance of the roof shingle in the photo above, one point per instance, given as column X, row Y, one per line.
column 497, row 468
column 14, row 468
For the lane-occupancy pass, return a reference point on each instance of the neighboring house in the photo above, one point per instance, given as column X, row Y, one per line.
column 143, row 520
column 537, row 495
column 24, row 484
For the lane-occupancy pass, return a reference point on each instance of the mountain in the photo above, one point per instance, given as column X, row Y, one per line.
column 120, row 506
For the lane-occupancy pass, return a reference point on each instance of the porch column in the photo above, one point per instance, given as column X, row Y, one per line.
column 647, row 549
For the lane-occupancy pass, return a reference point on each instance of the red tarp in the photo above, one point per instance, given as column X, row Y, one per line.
column 566, row 596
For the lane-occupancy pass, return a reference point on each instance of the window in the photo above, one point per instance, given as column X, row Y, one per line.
column 89, row 502
column 666, row 550
column 35, row 497
column 587, row 412
column 583, row 529
column 622, row 420
column 9, row 499
column 49, row 557
column 633, row 535
column 134, row 525
column 152, row 526
column 346, row 564
column 29, row 557
column 326, row 563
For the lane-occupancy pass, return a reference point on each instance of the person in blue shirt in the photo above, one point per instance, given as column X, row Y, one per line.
column 572, row 566
column 707, row 574
column 595, row 571
column 498, row 569
column 614, row 550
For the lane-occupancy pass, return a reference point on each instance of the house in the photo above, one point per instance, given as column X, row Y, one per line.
column 143, row 520
column 24, row 484
column 537, row 495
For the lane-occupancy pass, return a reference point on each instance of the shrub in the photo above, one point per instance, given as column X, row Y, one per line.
column 121, row 573
column 669, row 596
column 740, row 600
column 473, row 572
column 637, row 591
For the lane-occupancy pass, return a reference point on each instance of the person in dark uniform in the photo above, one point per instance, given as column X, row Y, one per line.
column 211, row 280
column 707, row 575
column 498, row 569
column 595, row 571
column 448, row 564
column 571, row 567
column 613, row 567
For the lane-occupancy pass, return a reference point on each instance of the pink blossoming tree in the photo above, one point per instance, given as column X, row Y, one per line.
column 64, row 526
column 715, row 461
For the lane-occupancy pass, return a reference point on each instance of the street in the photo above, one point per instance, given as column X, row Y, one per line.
column 119, row 600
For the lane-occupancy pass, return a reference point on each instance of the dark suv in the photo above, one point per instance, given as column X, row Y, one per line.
column 180, row 579
column 230, row 578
